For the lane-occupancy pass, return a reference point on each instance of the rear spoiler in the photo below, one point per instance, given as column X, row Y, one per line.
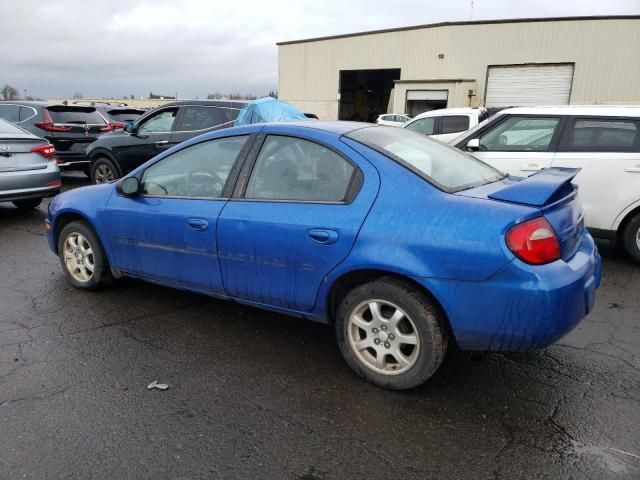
column 539, row 189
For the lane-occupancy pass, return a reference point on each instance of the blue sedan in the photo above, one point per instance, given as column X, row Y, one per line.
column 401, row 243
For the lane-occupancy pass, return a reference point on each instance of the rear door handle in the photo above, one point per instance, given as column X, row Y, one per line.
column 323, row 236
column 199, row 224
column 634, row 169
column 531, row 167
column 162, row 142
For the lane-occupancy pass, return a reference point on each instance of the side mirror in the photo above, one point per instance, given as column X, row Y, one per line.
column 128, row 127
column 128, row 186
column 473, row 145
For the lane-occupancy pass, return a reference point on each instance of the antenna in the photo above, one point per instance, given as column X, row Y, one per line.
column 471, row 15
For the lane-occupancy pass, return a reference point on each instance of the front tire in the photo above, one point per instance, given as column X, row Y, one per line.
column 631, row 238
column 82, row 257
column 27, row 204
column 391, row 334
column 103, row 171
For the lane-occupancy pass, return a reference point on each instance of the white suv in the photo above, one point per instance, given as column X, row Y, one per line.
column 603, row 141
column 447, row 124
column 393, row 119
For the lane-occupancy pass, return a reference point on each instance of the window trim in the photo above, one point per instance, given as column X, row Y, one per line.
column 564, row 147
column 353, row 188
column 232, row 178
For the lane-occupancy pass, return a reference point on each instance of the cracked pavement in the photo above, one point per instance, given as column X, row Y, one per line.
column 254, row 394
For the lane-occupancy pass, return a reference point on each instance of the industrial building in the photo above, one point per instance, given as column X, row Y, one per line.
column 546, row 61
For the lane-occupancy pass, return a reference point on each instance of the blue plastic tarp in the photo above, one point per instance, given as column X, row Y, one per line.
column 268, row 109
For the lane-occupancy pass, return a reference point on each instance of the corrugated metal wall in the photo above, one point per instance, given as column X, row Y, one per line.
column 605, row 53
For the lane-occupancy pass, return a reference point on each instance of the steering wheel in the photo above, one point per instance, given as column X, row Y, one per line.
column 203, row 183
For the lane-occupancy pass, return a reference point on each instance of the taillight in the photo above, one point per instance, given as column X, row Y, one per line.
column 534, row 241
column 46, row 151
column 115, row 126
column 107, row 128
column 49, row 126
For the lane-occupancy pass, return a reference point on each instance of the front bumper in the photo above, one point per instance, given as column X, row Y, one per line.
column 522, row 307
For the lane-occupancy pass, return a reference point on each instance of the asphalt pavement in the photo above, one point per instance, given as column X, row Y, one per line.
column 253, row 394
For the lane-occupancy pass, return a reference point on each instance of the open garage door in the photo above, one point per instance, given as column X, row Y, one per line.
column 529, row 85
column 365, row 94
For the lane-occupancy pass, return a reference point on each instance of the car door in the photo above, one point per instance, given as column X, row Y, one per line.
column 293, row 219
column 167, row 232
column 520, row 145
column 195, row 120
column 607, row 149
column 151, row 136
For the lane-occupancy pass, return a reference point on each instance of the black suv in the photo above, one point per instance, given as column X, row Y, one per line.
column 69, row 128
column 116, row 154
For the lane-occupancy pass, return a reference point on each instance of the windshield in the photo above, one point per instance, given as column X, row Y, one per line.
column 446, row 167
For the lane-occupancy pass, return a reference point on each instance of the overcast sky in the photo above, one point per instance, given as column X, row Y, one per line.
column 196, row 47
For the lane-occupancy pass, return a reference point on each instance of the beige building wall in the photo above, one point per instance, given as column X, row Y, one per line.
column 604, row 51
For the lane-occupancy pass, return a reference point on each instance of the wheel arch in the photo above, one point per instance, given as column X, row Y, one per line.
column 102, row 152
column 65, row 218
column 625, row 220
column 349, row 280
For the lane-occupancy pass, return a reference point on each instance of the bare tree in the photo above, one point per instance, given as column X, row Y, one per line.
column 9, row 93
column 77, row 96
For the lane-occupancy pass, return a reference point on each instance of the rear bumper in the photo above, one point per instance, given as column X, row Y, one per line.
column 26, row 184
column 522, row 307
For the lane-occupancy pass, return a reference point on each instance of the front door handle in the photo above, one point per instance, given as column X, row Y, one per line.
column 634, row 169
column 162, row 142
column 531, row 167
column 198, row 224
column 323, row 236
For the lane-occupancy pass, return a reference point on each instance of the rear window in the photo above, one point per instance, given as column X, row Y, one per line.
column 447, row 168
column 76, row 115
column 6, row 127
column 125, row 115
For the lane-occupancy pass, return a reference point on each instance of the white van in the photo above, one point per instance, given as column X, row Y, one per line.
column 604, row 141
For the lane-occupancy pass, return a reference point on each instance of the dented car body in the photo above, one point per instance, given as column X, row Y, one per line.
column 507, row 261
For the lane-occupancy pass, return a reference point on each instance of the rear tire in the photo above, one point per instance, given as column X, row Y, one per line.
column 103, row 171
column 391, row 334
column 27, row 204
column 82, row 257
column 631, row 238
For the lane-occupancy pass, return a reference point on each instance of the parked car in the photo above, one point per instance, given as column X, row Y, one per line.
column 602, row 141
column 306, row 219
column 447, row 124
column 118, row 153
column 393, row 119
column 119, row 116
column 69, row 128
column 28, row 171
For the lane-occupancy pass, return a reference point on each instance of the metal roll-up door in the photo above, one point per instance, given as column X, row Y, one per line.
column 529, row 85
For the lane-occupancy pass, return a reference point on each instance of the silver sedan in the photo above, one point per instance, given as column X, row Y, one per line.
column 28, row 169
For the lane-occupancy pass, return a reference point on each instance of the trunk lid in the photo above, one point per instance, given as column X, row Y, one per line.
column 16, row 154
column 549, row 191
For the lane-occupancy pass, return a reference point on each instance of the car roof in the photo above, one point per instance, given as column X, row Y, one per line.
column 207, row 103
column 595, row 110
column 448, row 111
column 338, row 127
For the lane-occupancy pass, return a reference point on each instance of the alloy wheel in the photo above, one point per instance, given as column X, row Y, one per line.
column 103, row 174
column 383, row 337
column 78, row 257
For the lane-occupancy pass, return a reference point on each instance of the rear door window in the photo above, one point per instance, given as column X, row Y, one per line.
column 424, row 126
column 520, row 134
column 80, row 116
column 602, row 135
column 294, row 169
column 10, row 113
column 198, row 118
column 455, row 124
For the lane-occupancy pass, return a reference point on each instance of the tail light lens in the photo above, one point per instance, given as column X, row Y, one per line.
column 46, row 151
column 534, row 242
column 116, row 125
column 49, row 126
